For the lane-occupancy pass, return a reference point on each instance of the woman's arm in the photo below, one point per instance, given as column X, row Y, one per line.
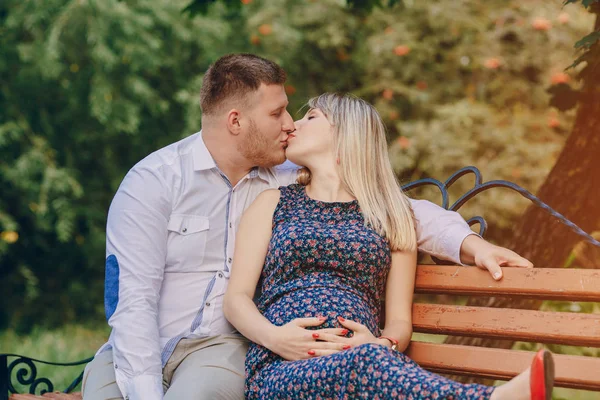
column 291, row 341
column 251, row 244
column 399, row 297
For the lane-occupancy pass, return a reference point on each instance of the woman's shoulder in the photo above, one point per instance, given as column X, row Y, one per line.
column 269, row 196
column 264, row 204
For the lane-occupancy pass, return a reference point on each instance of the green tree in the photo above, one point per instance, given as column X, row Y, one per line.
column 88, row 89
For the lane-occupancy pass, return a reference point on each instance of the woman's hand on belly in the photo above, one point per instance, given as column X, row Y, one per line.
column 360, row 334
column 293, row 341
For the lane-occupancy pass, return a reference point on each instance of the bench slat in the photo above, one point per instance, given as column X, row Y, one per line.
column 527, row 325
column 575, row 372
column 545, row 283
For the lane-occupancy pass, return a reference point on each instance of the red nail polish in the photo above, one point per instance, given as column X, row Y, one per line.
column 341, row 319
column 344, row 331
column 311, row 352
column 316, row 335
column 346, row 347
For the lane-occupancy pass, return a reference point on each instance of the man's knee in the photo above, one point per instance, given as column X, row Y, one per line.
column 206, row 382
column 99, row 381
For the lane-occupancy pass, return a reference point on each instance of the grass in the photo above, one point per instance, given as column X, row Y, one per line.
column 67, row 344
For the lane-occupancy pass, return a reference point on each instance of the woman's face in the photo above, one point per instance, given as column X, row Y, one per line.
column 312, row 140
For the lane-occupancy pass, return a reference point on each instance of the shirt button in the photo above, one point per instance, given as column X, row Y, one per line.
column 116, row 366
column 220, row 275
column 229, row 260
column 184, row 230
column 230, row 225
column 208, row 304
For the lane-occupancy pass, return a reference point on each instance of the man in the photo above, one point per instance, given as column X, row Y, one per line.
column 170, row 240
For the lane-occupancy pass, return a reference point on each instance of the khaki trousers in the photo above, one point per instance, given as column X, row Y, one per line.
column 198, row 369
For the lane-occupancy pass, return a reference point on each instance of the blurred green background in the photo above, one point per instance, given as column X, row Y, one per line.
column 88, row 88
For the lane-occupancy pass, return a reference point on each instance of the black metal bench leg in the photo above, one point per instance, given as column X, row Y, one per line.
column 4, row 377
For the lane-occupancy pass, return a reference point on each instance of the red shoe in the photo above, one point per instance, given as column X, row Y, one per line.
column 541, row 380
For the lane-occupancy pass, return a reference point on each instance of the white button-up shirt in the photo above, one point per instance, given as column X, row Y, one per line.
column 169, row 247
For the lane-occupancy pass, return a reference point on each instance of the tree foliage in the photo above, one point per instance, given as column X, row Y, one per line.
column 88, row 88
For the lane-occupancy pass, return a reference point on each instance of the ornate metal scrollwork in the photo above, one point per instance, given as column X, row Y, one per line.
column 479, row 187
column 25, row 373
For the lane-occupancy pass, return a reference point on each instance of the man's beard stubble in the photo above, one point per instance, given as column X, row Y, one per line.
column 257, row 149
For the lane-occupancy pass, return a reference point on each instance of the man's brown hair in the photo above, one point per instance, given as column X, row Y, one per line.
column 236, row 75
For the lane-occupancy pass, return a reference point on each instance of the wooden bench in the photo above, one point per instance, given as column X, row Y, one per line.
column 568, row 328
column 577, row 329
column 442, row 319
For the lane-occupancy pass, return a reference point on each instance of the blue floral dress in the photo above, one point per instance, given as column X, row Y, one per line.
column 323, row 261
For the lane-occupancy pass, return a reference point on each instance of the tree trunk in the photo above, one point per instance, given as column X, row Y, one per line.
column 573, row 189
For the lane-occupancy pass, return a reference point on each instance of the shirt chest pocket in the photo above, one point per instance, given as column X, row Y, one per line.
column 186, row 242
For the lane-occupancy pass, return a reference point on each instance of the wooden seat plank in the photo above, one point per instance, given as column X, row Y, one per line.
column 546, row 283
column 527, row 325
column 575, row 372
column 55, row 395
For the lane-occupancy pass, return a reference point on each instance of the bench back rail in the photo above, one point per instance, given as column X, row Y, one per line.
column 577, row 329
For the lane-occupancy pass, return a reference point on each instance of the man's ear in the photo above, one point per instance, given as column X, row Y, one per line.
column 233, row 121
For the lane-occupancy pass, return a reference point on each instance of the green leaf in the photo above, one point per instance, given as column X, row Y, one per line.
column 584, row 57
column 364, row 5
column 586, row 3
column 588, row 41
column 201, row 6
column 198, row 7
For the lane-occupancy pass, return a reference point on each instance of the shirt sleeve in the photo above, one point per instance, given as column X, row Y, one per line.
column 440, row 233
column 136, row 241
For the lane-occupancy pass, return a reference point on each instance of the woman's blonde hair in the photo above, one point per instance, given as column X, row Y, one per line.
column 365, row 169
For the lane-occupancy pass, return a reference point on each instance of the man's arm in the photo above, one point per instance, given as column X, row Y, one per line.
column 136, row 241
column 445, row 234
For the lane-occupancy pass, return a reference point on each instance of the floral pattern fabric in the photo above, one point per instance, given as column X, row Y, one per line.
column 323, row 261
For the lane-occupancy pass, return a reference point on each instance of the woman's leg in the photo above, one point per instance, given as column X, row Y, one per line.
column 369, row 371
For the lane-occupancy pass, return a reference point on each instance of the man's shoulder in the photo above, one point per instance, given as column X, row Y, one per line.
column 168, row 155
column 286, row 166
column 286, row 173
column 161, row 169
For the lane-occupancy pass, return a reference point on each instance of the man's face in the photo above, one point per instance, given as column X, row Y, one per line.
column 265, row 139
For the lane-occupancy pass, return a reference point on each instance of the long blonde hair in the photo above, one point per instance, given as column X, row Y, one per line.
column 365, row 169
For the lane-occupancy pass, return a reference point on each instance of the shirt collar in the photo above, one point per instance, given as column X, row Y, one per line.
column 259, row 172
column 202, row 158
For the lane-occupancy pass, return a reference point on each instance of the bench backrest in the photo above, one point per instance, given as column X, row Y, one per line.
column 568, row 328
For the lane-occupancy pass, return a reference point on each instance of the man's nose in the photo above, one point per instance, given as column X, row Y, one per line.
column 288, row 125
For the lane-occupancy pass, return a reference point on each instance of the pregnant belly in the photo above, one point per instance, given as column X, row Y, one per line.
column 329, row 302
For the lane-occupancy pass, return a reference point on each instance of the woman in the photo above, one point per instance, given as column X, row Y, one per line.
column 324, row 251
